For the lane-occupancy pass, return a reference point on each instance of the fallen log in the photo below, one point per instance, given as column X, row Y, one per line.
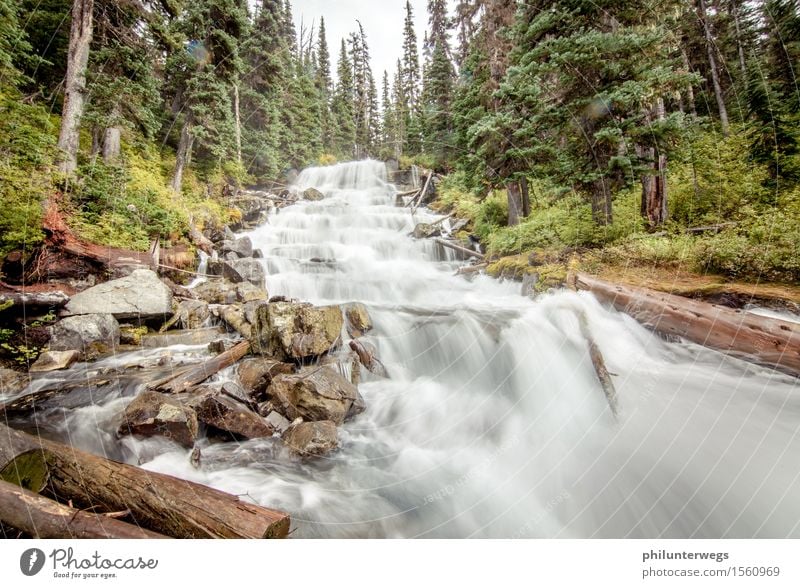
column 421, row 196
column 185, row 380
column 599, row 365
column 459, row 248
column 55, row 299
column 471, row 269
column 764, row 341
column 43, row 518
column 164, row 504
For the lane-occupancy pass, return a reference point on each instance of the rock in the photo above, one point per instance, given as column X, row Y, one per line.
column 233, row 316
column 240, row 270
column 296, row 330
column 358, row 319
column 220, row 345
column 130, row 335
column 225, row 292
column 225, row 414
column 12, row 382
column 55, row 360
column 368, row 356
column 185, row 337
column 312, row 194
column 278, row 422
column 312, row 439
column 316, row 394
column 152, row 413
column 241, row 247
column 190, row 314
column 426, row 231
column 90, row 334
column 141, row 295
column 258, row 254
column 256, row 374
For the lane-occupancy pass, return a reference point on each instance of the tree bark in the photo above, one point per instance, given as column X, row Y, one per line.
column 112, row 144
column 761, row 340
column 468, row 252
column 43, row 518
column 183, row 154
column 526, row 197
column 515, row 205
column 170, row 506
column 712, row 64
column 80, row 38
column 654, row 185
column 734, row 10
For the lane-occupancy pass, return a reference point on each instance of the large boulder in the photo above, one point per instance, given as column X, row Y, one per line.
column 316, row 394
column 190, row 314
column 225, row 292
column 50, row 361
column 426, row 231
column 90, row 334
column 140, row 295
column 226, row 414
column 312, row 439
column 241, row 247
column 296, row 330
column 239, row 270
column 152, row 413
column 358, row 319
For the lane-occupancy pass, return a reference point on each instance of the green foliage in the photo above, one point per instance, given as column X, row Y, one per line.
column 716, row 181
column 26, row 147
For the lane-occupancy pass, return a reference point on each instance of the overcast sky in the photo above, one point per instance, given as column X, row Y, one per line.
column 382, row 20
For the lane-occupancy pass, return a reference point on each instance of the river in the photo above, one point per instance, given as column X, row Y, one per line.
column 493, row 423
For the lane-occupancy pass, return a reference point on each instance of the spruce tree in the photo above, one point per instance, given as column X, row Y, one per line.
column 344, row 136
column 438, row 81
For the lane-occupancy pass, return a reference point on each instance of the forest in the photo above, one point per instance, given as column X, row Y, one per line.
column 561, row 124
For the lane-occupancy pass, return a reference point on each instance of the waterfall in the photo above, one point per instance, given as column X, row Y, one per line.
column 493, row 423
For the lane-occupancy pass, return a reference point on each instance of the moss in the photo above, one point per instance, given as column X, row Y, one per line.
column 131, row 335
column 28, row 470
column 513, row 267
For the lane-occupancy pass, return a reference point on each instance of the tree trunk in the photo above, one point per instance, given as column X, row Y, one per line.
column 183, row 154
column 526, row 197
column 238, row 119
column 43, row 518
column 712, row 64
column 654, row 185
column 689, row 88
column 80, row 37
column 161, row 503
column 771, row 342
column 601, row 202
column 184, row 381
column 111, row 144
column 515, row 204
column 734, row 10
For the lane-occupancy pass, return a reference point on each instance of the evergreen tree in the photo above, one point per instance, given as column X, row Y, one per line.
column 13, row 42
column 438, row 81
column 342, row 107
column 324, row 87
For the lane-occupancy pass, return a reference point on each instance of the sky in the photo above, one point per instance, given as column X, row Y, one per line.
column 382, row 20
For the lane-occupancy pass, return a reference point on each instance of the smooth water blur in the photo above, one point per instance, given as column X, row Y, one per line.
column 493, row 423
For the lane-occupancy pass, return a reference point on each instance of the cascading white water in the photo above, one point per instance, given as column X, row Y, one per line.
column 493, row 423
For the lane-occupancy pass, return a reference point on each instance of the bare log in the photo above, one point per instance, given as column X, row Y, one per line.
column 43, row 518
column 471, row 269
column 765, row 341
column 55, row 299
column 164, row 504
column 183, row 381
column 599, row 364
column 459, row 248
column 421, row 196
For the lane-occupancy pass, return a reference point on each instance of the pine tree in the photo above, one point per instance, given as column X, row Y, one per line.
column 342, row 107
column 438, row 81
column 13, row 42
column 324, row 87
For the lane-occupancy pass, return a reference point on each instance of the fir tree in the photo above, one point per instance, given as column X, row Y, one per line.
column 342, row 107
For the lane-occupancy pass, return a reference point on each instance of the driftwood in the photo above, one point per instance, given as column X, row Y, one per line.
column 43, row 518
column 765, row 341
column 185, row 380
column 407, row 193
column 421, row 196
column 460, row 248
column 599, row 364
column 164, row 504
column 55, row 299
column 471, row 269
